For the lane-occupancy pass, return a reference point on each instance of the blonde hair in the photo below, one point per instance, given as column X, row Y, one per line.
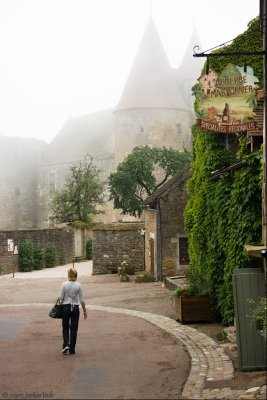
column 72, row 274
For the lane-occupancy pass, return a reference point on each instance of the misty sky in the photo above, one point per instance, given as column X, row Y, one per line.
column 64, row 58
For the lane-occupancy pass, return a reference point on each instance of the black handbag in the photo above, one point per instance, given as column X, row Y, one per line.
column 56, row 311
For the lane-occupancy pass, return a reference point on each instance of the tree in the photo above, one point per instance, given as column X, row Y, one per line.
column 82, row 193
column 141, row 173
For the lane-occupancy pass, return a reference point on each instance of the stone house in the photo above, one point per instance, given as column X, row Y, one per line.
column 208, row 81
column 165, row 236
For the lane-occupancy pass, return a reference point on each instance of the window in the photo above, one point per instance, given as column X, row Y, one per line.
column 52, row 183
column 141, row 130
column 179, row 127
column 183, row 251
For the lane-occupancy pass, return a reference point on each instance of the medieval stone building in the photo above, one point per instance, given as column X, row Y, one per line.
column 155, row 109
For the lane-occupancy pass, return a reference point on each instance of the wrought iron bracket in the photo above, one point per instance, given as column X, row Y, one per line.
column 222, row 54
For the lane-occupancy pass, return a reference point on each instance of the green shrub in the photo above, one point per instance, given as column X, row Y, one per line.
column 259, row 315
column 39, row 257
column 89, row 249
column 50, row 257
column 127, row 268
column 222, row 336
column 26, row 256
column 61, row 260
column 183, row 292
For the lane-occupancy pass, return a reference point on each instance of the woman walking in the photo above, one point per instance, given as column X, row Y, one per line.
column 71, row 294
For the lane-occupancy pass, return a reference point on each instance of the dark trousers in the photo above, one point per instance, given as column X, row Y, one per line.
column 70, row 322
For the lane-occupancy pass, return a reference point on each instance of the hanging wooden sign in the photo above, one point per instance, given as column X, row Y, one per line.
column 225, row 101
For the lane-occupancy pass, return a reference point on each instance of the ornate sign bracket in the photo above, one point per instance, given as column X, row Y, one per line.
column 223, row 53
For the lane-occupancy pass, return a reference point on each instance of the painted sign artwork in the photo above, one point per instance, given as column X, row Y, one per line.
column 225, row 101
column 10, row 244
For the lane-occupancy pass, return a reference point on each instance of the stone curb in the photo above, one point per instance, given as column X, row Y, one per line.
column 208, row 360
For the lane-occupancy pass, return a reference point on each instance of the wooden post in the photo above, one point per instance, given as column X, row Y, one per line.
column 264, row 186
column 15, row 253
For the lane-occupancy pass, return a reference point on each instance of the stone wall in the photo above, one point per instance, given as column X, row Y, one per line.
column 61, row 239
column 172, row 210
column 114, row 243
column 165, row 234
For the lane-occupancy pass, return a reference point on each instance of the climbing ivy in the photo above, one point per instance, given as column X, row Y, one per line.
column 251, row 40
column 221, row 216
column 243, row 227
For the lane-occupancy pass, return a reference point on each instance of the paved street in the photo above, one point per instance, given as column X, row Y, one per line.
column 118, row 356
column 123, row 351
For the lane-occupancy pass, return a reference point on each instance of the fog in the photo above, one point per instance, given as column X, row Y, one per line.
column 64, row 58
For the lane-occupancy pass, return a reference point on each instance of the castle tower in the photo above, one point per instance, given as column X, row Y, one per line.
column 151, row 110
column 188, row 72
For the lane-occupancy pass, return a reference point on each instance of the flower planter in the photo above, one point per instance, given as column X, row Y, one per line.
column 192, row 309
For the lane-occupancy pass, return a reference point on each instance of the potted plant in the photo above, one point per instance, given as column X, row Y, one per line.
column 192, row 303
column 126, row 267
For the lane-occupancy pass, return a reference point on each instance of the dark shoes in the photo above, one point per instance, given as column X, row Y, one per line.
column 65, row 350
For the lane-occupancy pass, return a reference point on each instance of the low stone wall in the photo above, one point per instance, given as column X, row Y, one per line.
column 114, row 243
column 61, row 239
column 173, row 283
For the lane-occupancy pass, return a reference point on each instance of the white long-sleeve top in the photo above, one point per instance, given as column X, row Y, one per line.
column 71, row 293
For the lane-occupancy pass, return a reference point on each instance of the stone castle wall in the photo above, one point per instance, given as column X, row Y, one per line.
column 152, row 127
column 18, row 181
column 31, row 170
column 51, row 177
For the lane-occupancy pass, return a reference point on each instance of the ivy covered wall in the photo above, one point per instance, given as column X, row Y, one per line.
column 223, row 215
column 251, row 40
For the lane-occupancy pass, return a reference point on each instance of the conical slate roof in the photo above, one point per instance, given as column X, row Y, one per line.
column 151, row 82
column 190, row 66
